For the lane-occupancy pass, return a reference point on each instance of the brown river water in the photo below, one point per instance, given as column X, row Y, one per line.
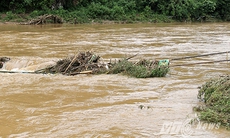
column 53, row 105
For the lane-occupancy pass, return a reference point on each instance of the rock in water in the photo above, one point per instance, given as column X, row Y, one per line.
column 1, row 65
column 4, row 59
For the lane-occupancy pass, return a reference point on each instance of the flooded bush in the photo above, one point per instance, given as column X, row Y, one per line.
column 142, row 69
column 216, row 96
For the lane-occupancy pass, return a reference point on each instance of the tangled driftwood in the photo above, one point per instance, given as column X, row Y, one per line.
column 83, row 62
column 43, row 19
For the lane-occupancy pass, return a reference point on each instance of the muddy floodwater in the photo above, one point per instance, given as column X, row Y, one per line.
column 57, row 106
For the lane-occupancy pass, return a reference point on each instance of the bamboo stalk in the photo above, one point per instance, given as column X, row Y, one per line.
column 131, row 57
column 71, row 63
column 83, row 72
column 200, row 55
column 199, row 63
column 7, row 71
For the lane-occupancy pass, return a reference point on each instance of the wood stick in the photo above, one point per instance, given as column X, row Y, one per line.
column 82, row 72
column 200, row 55
column 131, row 57
column 71, row 63
column 189, row 64
column 7, row 71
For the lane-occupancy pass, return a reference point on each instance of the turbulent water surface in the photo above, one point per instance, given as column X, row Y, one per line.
column 46, row 105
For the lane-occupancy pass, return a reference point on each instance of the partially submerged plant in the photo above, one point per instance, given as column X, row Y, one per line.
column 216, row 96
column 141, row 69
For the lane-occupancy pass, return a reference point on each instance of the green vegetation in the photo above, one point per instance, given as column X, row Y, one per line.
column 141, row 69
column 83, row 11
column 216, row 96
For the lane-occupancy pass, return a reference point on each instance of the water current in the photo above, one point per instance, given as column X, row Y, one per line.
column 54, row 105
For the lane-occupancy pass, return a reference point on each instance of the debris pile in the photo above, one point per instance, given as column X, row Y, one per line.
column 81, row 63
column 44, row 19
column 89, row 63
column 216, row 96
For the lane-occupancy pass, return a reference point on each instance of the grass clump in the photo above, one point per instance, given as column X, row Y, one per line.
column 141, row 69
column 216, row 96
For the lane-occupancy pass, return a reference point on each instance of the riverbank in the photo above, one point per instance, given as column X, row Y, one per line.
column 11, row 18
column 19, row 18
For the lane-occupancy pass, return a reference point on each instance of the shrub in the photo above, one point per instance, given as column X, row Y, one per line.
column 10, row 16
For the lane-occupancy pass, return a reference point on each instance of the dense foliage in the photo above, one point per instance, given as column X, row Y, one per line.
column 121, row 10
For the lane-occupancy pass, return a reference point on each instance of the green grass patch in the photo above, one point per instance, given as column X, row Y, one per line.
column 141, row 69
